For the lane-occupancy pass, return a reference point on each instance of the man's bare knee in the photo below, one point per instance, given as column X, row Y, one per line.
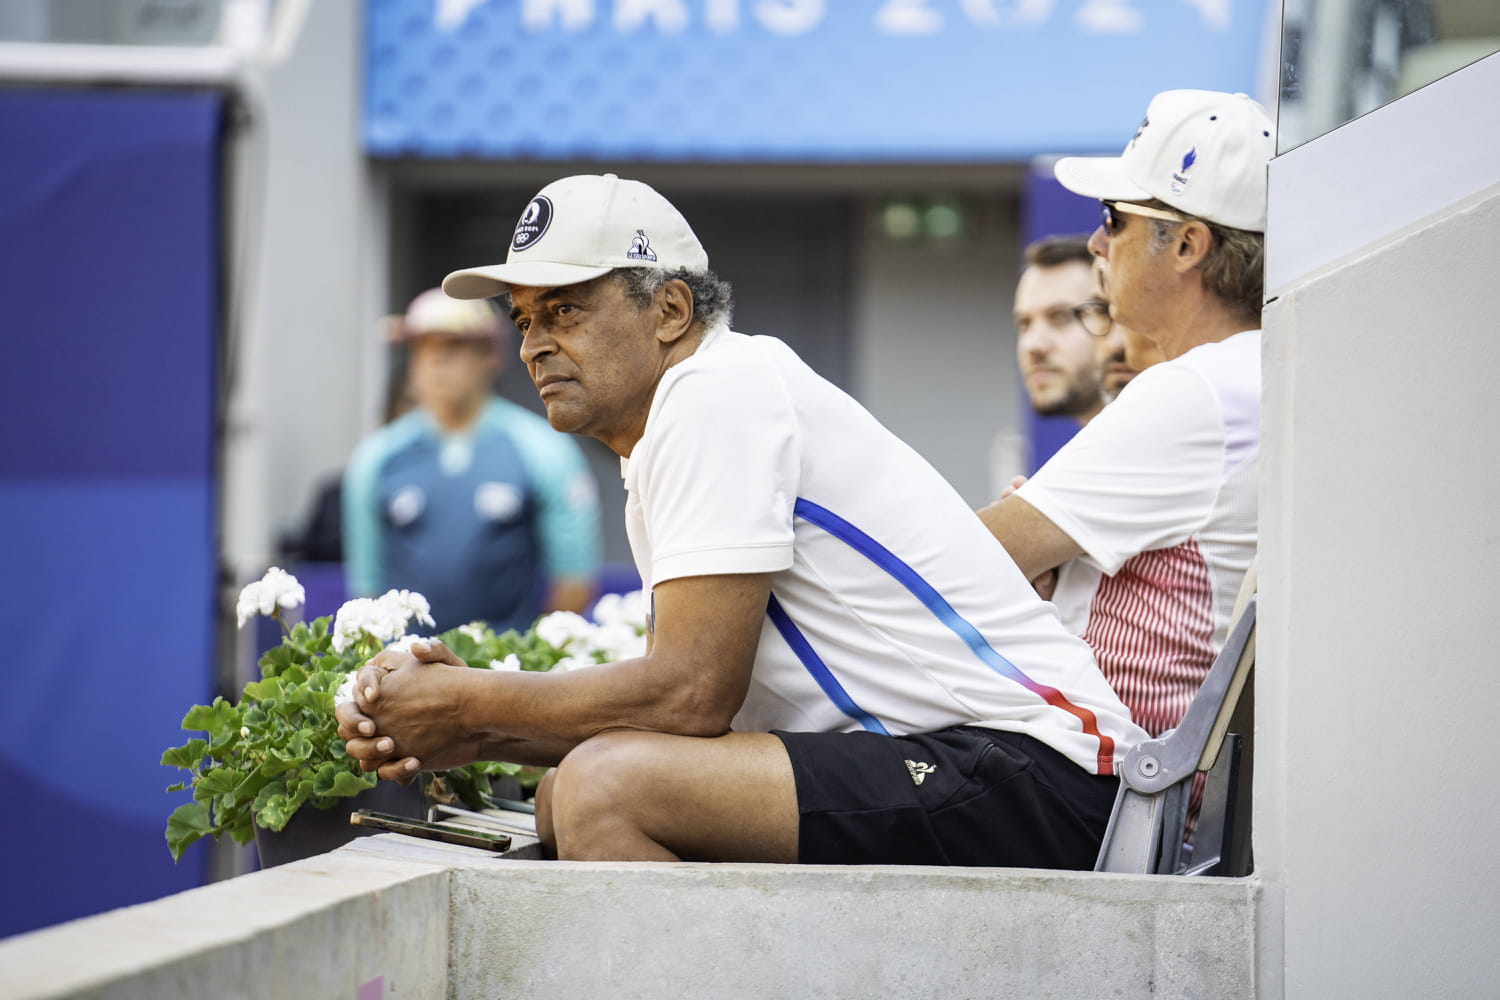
column 596, row 793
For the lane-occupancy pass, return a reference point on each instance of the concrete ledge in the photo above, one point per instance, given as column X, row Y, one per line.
column 317, row 928
column 432, row 920
column 540, row 929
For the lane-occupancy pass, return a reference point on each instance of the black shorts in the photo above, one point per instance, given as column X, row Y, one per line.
column 961, row 796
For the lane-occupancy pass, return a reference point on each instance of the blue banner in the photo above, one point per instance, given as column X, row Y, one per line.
column 788, row 80
column 109, row 216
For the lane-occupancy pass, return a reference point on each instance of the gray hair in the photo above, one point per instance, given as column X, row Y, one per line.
column 713, row 297
column 1234, row 270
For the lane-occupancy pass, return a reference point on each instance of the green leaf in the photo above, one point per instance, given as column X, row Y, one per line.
column 346, row 784
column 243, row 830
column 276, row 659
column 274, row 813
column 188, row 756
column 217, row 782
column 473, row 787
column 266, row 691
column 216, row 719
column 188, row 823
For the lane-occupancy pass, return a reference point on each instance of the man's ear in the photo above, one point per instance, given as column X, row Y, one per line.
column 674, row 304
column 1193, row 244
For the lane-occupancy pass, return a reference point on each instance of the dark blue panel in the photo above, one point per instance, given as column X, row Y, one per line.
column 787, row 79
column 68, row 857
column 109, row 229
column 117, row 601
column 109, row 225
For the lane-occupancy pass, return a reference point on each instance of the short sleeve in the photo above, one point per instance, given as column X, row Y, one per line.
column 1141, row 475
column 718, row 480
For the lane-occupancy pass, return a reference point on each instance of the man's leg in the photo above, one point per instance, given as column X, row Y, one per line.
column 626, row 796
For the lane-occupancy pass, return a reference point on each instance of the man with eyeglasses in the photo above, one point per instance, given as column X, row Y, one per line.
column 1071, row 359
column 1154, row 502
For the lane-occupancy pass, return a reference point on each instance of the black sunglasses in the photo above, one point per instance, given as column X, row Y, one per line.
column 1110, row 219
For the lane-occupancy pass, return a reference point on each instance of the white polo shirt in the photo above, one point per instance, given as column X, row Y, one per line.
column 893, row 608
column 1159, row 490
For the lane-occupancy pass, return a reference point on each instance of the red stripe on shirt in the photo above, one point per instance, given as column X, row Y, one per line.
column 1151, row 628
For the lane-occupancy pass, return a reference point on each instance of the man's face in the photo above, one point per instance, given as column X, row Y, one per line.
column 593, row 355
column 452, row 372
column 1137, row 274
column 1058, row 357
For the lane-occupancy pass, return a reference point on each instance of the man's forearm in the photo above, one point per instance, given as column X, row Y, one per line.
column 1034, row 542
column 546, row 714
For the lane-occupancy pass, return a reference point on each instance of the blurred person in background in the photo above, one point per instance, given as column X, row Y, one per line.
column 467, row 498
column 1072, row 361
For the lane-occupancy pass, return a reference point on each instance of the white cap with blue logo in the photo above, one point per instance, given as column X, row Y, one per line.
column 1201, row 151
column 580, row 228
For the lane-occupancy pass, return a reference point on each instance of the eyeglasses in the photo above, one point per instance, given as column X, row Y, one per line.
column 1112, row 224
column 1093, row 316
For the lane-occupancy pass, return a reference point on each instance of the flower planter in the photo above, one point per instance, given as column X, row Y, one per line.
column 316, row 831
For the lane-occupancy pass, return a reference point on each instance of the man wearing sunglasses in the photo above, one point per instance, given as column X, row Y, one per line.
column 1155, row 500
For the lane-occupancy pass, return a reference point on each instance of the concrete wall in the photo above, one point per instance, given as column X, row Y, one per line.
column 326, row 927
column 1374, row 816
column 429, row 920
column 712, row 931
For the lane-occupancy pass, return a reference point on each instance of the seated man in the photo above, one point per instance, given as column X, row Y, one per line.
column 844, row 666
column 1157, row 494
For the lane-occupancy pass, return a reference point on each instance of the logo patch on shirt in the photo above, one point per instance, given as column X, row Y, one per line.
column 497, row 501
column 533, row 224
column 640, row 247
column 919, row 770
column 406, row 506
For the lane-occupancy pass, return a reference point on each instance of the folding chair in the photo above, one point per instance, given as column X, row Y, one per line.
column 1146, row 828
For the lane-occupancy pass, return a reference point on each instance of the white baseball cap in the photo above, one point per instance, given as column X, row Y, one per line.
column 434, row 312
column 1201, row 151
column 579, row 228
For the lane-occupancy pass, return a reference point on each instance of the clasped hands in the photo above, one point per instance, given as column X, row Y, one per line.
column 400, row 722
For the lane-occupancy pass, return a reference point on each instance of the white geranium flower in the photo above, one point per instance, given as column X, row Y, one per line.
column 365, row 616
column 622, row 609
column 283, row 588
column 474, row 630
column 248, row 605
column 345, row 693
column 566, row 630
column 244, row 732
column 511, row 662
column 574, row 663
column 412, row 605
column 403, row 644
column 618, row 641
column 277, row 589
